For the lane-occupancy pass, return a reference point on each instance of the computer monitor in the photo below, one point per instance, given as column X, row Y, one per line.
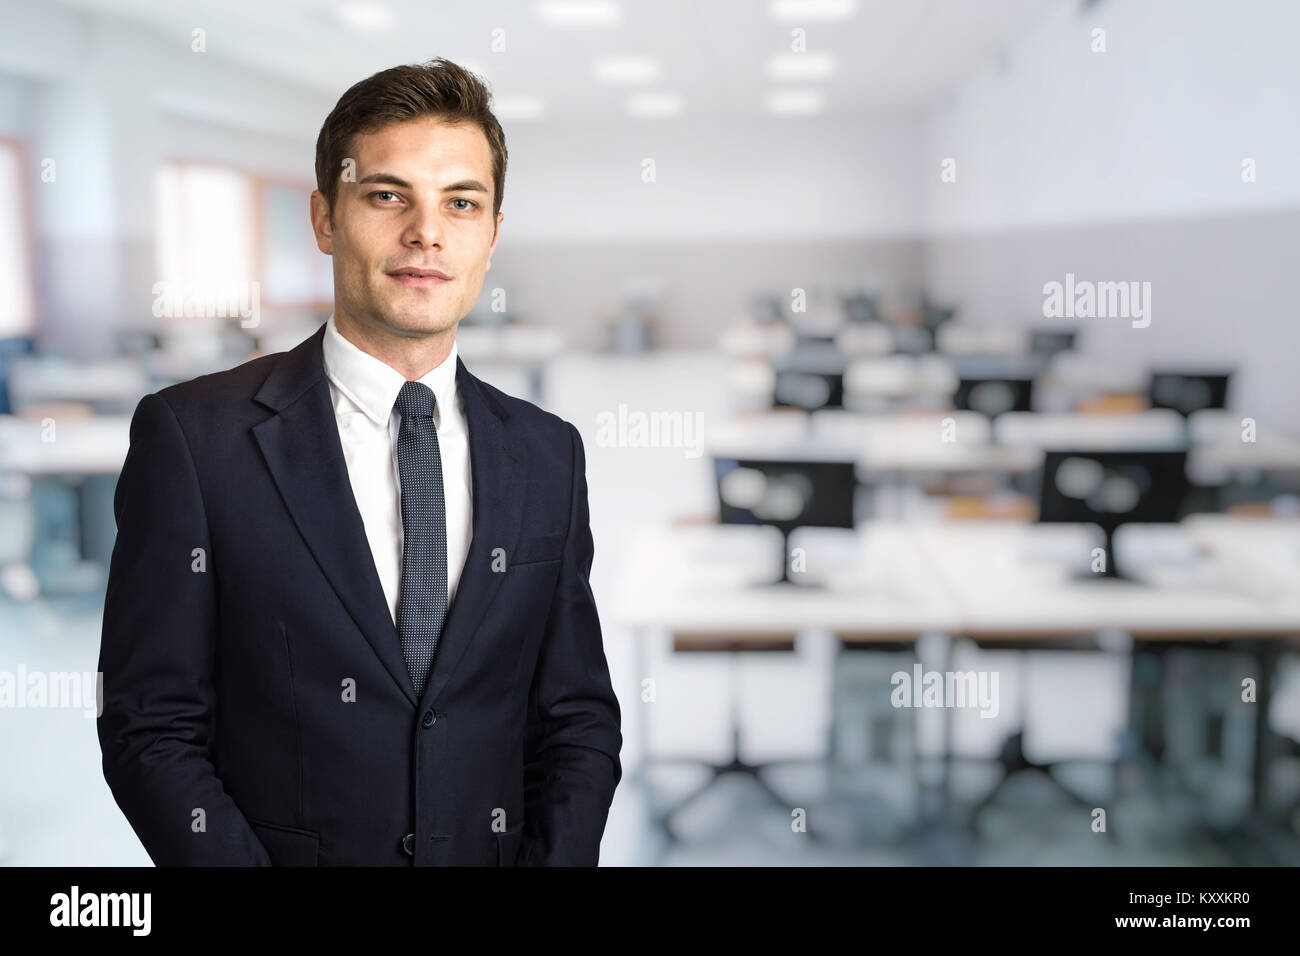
column 1112, row 488
column 136, row 342
column 808, row 390
column 933, row 315
column 10, row 349
column 993, row 396
column 785, row 494
column 766, row 309
column 1049, row 342
column 810, row 377
column 860, row 308
column 912, row 339
column 1186, row 392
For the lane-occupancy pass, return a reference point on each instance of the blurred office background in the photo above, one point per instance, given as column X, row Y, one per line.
column 786, row 265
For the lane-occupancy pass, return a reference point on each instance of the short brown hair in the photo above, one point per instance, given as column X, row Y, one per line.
column 437, row 87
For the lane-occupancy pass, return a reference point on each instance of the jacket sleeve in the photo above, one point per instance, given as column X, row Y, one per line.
column 156, row 657
column 573, row 737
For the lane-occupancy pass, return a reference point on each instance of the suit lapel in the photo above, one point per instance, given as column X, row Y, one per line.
column 302, row 448
column 305, row 456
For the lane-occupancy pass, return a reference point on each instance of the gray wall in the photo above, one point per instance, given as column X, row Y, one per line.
column 1222, row 291
column 579, row 287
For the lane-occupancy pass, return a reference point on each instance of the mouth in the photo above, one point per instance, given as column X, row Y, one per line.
column 415, row 278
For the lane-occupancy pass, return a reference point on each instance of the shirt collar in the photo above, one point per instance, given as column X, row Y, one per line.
column 373, row 384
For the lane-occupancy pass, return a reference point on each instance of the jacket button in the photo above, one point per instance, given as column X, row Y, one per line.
column 430, row 719
column 408, row 844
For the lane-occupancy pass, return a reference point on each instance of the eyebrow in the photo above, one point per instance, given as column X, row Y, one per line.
column 391, row 179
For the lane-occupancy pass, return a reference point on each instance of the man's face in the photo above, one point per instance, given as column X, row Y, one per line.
column 421, row 200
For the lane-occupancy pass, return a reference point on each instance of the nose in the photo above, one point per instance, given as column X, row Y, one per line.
column 424, row 228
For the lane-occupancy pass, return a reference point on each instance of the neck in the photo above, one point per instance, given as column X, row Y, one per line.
column 414, row 354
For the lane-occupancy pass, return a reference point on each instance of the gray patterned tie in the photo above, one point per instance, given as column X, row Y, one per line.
column 422, row 599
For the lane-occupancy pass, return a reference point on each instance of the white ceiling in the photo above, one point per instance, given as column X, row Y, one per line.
column 892, row 55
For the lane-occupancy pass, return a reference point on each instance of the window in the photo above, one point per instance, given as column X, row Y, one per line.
column 294, row 272
column 204, row 227
column 17, row 295
column 220, row 228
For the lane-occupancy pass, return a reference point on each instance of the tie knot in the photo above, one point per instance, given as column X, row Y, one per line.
column 415, row 400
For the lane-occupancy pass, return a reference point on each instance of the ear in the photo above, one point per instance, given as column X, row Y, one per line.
column 321, row 224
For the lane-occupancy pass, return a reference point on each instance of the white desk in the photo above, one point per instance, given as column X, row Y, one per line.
column 1214, row 464
column 85, row 446
column 1003, row 597
column 1091, row 374
column 1265, row 550
column 1154, row 429
column 517, row 342
column 993, row 578
column 877, row 384
column 961, row 338
column 87, row 454
column 953, row 458
column 996, row 582
column 47, row 378
column 698, row 581
column 880, row 443
column 747, row 339
column 1218, row 454
column 1003, row 586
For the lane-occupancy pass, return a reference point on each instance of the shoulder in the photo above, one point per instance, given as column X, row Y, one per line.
column 548, row 437
column 218, row 402
column 242, row 381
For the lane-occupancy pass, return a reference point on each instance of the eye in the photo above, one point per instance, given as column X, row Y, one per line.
column 383, row 192
column 471, row 202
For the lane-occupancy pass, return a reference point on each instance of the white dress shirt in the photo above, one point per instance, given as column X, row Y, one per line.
column 364, row 390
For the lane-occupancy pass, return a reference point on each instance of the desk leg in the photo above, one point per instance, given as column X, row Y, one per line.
column 1143, row 751
column 1264, row 837
column 944, row 810
column 639, row 636
column 881, row 820
column 535, row 383
column 1265, row 741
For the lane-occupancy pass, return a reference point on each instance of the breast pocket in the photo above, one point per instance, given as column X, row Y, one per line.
column 537, row 549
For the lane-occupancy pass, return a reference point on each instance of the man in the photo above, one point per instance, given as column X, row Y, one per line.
column 348, row 618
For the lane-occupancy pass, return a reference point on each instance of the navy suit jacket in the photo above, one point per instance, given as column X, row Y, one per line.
column 257, row 708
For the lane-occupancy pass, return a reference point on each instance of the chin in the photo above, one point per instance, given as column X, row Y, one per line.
column 418, row 321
